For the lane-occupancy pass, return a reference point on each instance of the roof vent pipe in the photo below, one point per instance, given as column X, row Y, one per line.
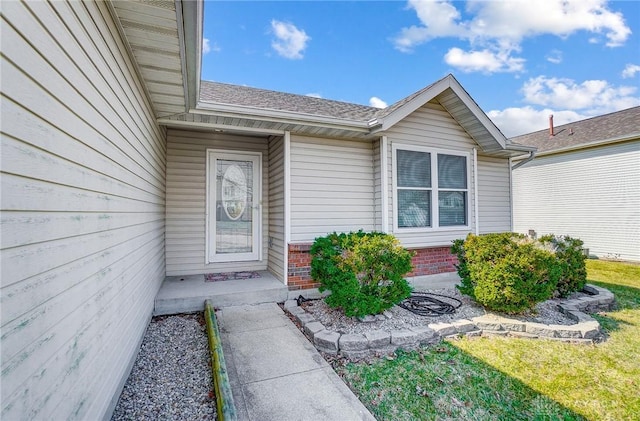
column 551, row 133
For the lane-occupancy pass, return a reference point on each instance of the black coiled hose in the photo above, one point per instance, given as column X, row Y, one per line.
column 424, row 304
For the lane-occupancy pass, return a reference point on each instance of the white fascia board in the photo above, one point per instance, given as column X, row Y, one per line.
column 288, row 117
column 519, row 149
column 398, row 115
column 190, row 16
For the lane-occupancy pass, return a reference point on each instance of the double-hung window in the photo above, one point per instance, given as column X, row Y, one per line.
column 431, row 188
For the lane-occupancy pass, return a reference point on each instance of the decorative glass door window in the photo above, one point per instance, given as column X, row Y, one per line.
column 233, row 206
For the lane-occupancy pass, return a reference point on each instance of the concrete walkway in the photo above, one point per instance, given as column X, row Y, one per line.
column 276, row 373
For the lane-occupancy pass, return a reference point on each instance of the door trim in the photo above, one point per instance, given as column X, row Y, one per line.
column 210, row 203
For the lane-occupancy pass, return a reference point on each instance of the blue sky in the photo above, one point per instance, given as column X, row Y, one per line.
column 521, row 60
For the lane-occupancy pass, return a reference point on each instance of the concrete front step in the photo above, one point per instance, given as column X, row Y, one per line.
column 187, row 294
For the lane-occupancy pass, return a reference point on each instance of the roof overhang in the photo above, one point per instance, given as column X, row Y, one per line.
column 164, row 41
column 605, row 142
column 238, row 120
column 455, row 99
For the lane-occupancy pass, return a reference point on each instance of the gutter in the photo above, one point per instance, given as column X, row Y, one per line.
column 532, row 154
column 235, row 111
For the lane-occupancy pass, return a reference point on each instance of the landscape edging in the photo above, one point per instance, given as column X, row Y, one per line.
column 222, row 386
column 586, row 329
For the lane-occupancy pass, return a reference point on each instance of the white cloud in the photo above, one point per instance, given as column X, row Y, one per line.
column 314, row 95
column 630, row 70
column 554, row 56
column 207, row 47
column 500, row 26
column 376, row 102
column 439, row 19
column 566, row 99
column 290, row 41
column 483, row 61
column 594, row 96
column 516, row 20
column 516, row 121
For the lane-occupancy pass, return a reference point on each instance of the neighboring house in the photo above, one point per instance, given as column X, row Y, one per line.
column 584, row 182
column 119, row 167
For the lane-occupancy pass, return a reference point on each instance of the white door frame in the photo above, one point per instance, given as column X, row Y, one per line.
column 210, row 238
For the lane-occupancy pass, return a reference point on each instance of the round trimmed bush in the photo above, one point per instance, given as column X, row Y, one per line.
column 506, row 272
column 363, row 271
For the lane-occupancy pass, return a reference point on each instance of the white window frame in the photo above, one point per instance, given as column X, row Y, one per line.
column 435, row 189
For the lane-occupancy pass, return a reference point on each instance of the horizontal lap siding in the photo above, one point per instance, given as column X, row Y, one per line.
column 332, row 187
column 494, row 201
column 592, row 194
column 433, row 127
column 186, row 199
column 83, row 192
column 276, row 243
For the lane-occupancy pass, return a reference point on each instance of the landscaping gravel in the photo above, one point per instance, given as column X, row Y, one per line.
column 399, row 318
column 171, row 378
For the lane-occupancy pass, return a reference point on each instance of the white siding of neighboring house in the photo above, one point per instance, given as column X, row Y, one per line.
column 83, row 192
column 276, row 240
column 186, row 199
column 332, row 187
column 592, row 194
column 494, row 198
column 430, row 126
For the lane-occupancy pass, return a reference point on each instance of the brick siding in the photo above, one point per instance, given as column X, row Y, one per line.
column 427, row 261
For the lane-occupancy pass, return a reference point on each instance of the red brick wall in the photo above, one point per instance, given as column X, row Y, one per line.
column 427, row 261
column 433, row 260
column 298, row 275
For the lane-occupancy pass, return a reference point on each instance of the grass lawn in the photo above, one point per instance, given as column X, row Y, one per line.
column 517, row 379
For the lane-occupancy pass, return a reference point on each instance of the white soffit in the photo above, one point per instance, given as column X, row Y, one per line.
column 152, row 31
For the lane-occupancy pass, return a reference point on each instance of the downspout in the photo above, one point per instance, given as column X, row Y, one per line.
column 287, row 203
column 532, row 155
column 510, row 195
column 384, row 157
column 476, row 207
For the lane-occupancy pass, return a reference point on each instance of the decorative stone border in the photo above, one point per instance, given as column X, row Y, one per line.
column 353, row 346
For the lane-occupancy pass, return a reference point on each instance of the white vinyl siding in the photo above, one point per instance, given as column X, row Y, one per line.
column 332, row 187
column 431, row 126
column 186, row 199
column 276, row 240
column 592, row 194
column 83, row 195
column 494, row 198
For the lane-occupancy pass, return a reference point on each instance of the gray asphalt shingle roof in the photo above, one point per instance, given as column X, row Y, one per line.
column 605, row 127
column 223, row 93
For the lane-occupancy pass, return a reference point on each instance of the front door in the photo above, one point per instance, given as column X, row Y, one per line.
column 233, row 202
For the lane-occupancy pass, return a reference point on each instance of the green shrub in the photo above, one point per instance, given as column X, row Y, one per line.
column 506, row 272
column 363, row 271
column 571, row 259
